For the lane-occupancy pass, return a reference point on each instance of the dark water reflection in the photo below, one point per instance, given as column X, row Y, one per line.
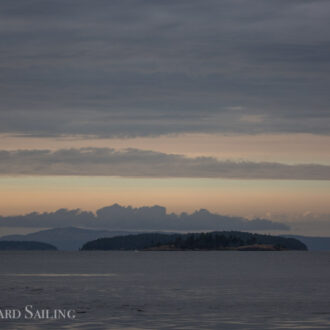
column 169, row 290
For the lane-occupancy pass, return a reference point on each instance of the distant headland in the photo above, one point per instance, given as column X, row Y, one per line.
column 25, row 246
column 218, row 240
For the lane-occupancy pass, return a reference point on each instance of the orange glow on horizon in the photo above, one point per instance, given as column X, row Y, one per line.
column 234, row 197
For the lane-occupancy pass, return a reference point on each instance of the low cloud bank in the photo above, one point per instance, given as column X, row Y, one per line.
column 118, row 217
column 144, row 163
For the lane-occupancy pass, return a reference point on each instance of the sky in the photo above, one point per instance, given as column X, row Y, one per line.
column 188, row 104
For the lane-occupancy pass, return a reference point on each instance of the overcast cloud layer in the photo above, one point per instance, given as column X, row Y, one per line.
column 134, row 68
column 143, row 163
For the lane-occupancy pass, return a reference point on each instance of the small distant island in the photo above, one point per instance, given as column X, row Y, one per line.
column 224, row 240
column 25, row 246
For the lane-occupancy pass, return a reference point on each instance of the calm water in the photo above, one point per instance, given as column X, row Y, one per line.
column 169, row 290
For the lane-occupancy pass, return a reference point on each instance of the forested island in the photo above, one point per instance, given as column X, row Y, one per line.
column 224, row 240
column 25, row 245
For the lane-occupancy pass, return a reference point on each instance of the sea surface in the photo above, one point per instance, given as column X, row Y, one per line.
column 168, row 290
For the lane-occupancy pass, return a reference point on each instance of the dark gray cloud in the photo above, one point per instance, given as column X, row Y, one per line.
column 118, row 217
column 144, row 163
column 142, row 67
